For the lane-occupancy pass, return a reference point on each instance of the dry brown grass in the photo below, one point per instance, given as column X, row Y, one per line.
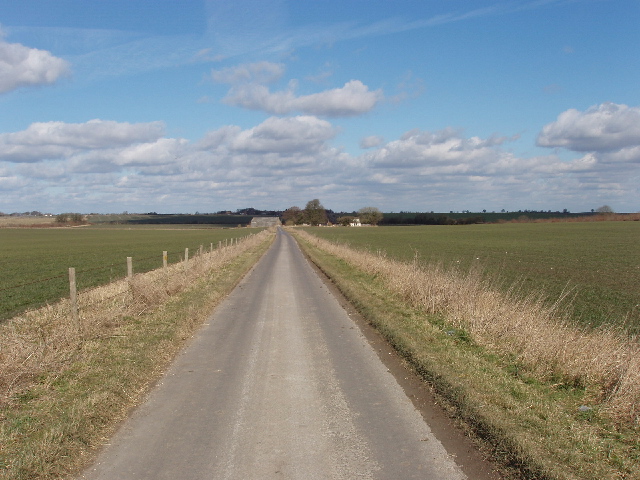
column 524, row 328
column 65, row 384
column 26, row 222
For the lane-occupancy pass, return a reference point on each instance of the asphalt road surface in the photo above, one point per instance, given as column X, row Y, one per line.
column 279, row 383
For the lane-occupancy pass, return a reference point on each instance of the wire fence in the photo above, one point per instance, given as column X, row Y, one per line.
column 18, row 298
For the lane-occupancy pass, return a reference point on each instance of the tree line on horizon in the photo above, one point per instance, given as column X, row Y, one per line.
column 315, row 214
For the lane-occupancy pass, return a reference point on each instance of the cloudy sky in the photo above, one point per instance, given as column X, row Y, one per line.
column 418, row 105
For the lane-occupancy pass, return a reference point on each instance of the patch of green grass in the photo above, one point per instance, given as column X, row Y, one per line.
column 598, row 262
column 35, row 262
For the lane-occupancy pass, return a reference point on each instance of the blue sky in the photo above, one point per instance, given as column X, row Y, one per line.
column 158, row 105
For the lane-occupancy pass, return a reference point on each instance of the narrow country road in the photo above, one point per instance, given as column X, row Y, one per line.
column 280, row 383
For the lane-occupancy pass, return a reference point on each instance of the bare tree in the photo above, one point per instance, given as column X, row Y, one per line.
column 604, row 209
column 293, row 216
column 370, row 215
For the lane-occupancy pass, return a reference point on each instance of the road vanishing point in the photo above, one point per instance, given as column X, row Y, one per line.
column 281, row 383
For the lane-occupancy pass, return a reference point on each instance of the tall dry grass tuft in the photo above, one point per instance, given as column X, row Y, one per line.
column 525, row 328
column 48, row 340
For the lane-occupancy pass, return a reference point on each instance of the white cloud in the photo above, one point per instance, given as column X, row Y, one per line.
column 423, row 150
column 447, row 164
column 216, row 139
column 47, row 140
column 601, row 128
column 22, row 66
column 372, row 141
column 285, row 161
column 276, row 141
column 149, row 157
column 300, row 135
column 353, row 99
column 248, row 90
column 624, row 155
column 258, row 97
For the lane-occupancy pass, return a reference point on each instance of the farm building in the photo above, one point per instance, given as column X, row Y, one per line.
column 265, row 222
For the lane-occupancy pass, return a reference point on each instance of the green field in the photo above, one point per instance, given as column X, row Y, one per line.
column 598, row 261
column 35, row 262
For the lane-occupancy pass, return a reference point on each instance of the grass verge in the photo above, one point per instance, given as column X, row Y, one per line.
column 540, row 426
column 65, row 387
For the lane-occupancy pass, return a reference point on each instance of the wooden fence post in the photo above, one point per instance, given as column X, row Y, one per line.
column 164, row 260
column 130, row 267
column 73, row 296
column 186, row 258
